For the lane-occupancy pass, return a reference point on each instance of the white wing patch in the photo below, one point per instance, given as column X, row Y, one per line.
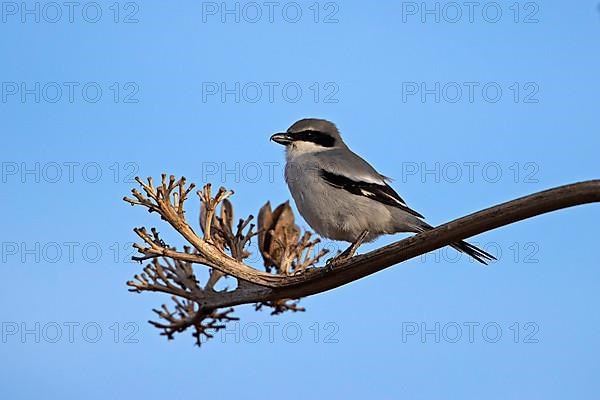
column 369, row 179
column 367, row 193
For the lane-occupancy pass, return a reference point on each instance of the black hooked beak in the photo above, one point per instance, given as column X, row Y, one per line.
column 283, row 138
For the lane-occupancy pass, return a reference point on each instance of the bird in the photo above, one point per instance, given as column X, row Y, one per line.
column 341, row 196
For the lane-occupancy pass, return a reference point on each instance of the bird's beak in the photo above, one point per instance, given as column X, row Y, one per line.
column 283, row 138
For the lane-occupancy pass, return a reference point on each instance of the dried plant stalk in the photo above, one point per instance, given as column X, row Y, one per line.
column 223, row 243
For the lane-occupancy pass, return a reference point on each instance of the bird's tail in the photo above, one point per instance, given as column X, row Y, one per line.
column 462, row 246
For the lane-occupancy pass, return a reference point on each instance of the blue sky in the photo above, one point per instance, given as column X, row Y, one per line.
column 464, row 108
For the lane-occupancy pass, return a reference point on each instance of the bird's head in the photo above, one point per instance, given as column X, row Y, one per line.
column 310, row 135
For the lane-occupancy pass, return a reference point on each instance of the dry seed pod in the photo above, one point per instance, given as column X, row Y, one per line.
column 278, row 234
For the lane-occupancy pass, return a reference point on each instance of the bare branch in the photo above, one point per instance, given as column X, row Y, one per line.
column 318, row 280
column 288, row 255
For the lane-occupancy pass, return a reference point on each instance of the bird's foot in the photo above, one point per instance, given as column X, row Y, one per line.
column 329, row 264
column 346, row 254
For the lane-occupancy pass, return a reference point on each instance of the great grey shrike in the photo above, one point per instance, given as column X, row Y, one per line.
column 340, row 195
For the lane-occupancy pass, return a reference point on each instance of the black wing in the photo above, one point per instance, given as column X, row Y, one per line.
column 381, row 193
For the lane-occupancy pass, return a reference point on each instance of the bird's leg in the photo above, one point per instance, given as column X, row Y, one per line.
column 350, row 251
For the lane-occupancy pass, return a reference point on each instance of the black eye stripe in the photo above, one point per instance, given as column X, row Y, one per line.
column 316, row 137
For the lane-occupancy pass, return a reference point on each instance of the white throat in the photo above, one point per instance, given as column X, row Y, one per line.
column 300, row 148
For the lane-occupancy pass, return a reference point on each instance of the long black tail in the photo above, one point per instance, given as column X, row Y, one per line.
column 475, row 252
column 464, row 247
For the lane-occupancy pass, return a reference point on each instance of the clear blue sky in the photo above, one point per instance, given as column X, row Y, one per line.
column 463, row 113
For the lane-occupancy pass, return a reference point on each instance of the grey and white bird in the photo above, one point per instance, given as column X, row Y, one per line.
column 340, row 195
